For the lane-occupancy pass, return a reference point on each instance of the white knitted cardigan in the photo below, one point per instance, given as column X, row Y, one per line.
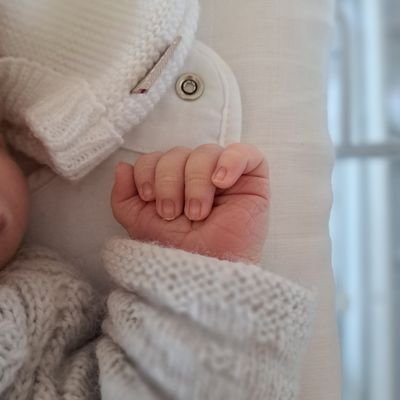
column 67, row 69
column 178, row 326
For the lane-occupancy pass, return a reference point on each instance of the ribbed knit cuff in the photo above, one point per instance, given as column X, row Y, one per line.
column 71, row 117
column 67, row 127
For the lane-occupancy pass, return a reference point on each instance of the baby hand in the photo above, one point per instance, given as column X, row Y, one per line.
column 212, row 201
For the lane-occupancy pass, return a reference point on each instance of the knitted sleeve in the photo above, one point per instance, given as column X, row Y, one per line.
column 76, row 76
column 194, row 327
column 48, row 317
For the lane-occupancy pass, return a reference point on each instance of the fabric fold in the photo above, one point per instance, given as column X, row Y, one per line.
column 66, row 94
column 206, row 322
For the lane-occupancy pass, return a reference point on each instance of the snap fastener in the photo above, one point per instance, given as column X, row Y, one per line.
column 189, row 87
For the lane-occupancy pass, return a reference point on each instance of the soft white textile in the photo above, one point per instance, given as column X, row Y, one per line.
column 278, row 51
column 214, row 118
column 178, row 326
column 67, row 70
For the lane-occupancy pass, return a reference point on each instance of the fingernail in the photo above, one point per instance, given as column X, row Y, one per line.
column 220, row 174
column 168, row 209
column 147, row 191
column 194, row 209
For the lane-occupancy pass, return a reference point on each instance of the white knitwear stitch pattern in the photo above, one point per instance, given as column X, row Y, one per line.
column 227, row 330
column 178, row 326
column 67, row 69
column 50, row 314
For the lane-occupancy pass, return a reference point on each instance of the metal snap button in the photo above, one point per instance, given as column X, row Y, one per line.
column 189, row 87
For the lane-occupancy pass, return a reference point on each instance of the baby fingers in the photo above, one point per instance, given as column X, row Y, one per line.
column 185, row 181
column 199, row 188
column 237, row 160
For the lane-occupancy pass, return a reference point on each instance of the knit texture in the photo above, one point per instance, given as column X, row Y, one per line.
column 48, row 315
column 67, row 69
column 177, row 326
column 199, row 328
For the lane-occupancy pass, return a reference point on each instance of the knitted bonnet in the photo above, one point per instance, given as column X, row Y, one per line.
column 77, row 75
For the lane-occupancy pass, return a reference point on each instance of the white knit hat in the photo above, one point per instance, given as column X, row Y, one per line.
column 67, row 70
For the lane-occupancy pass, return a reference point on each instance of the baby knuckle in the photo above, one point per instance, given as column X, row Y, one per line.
column 154, row 154
column 208, row 148
column 147, row 161
column 236, row 147
column 235, row 153
column 144, row 168
column 180, row 149
column 168, row 180
column 194, row 179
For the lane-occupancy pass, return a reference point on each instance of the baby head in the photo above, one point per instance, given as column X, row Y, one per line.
column 14, row 205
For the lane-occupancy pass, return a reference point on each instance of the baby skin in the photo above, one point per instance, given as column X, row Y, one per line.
column 14, row 205
column 211, row 201
column 175, row 324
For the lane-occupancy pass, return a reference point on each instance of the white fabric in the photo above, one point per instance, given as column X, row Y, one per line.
column 215, row 118
column 278, row 52
column 67, row 69
column 219, row 109
column 178, row 326
column 205, row 329
column 48, row 317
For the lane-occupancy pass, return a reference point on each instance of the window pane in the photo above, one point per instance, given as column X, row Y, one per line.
column 364, row 108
